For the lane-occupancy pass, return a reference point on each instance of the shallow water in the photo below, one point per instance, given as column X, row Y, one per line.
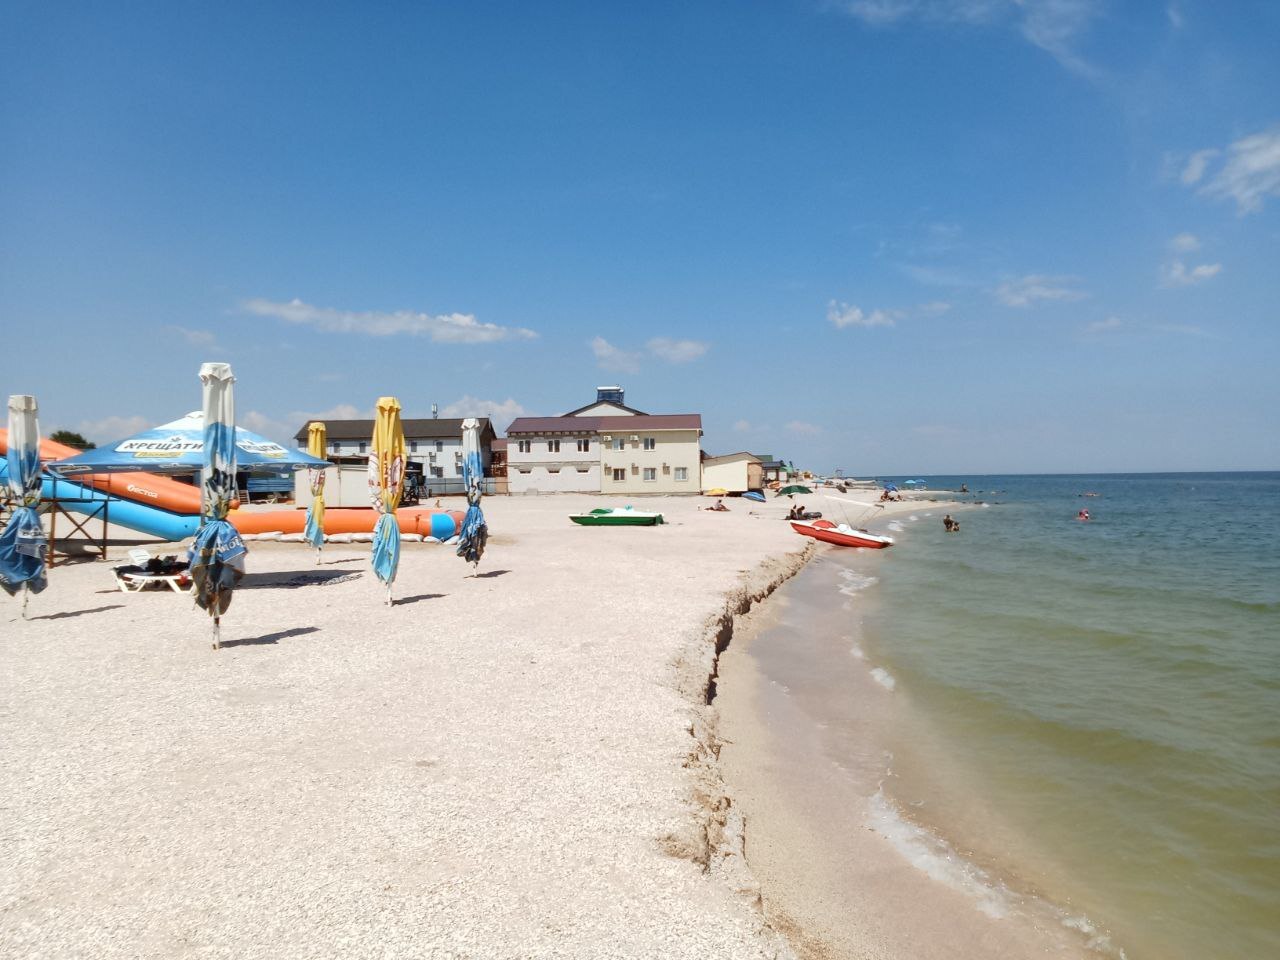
column 1091, row 711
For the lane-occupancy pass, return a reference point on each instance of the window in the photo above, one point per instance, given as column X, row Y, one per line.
column 439, row 446
column 438, row 472
column 413, row 446
column 682, row 473
column 364, row 447
column 619, row 443
column 651, row 473
column 650, row 443
column 523, row 446
column 619, row 474
column 584, row 446
column 335, row 446
column 553, row 446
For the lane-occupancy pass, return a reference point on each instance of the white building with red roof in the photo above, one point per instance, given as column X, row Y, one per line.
column 605, row 447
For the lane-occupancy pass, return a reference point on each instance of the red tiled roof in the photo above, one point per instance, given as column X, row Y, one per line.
column 667, row 421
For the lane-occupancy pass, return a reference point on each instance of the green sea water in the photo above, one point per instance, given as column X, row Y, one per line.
column 1094, row 707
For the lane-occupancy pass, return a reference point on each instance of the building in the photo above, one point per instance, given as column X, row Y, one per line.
column 605, row 447
column 435, row 444
column 734, row 472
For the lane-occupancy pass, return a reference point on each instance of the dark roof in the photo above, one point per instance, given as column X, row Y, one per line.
column 499, row 443
column 666, row 421
column 612, row 403
column 430, row 428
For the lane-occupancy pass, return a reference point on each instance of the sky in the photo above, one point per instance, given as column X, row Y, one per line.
column 883, row 236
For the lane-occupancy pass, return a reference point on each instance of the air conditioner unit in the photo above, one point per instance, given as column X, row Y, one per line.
column 635, row 437
column 606, row 437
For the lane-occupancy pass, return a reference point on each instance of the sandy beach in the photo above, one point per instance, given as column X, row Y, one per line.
column 519, row 763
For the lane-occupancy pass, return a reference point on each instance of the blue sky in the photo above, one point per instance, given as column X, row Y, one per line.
column 888, row 236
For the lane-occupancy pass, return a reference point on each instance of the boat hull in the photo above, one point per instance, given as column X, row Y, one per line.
column 827, row 532
column 588, row 520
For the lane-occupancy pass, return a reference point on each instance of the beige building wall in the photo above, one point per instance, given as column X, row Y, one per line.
column 732, row 476
column 673, row 465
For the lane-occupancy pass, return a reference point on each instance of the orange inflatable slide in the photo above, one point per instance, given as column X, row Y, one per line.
column 169, row 509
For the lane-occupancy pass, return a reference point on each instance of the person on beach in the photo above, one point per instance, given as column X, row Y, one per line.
column 947, row 523
column 719, row 507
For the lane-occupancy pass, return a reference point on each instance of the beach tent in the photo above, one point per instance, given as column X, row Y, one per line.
column 22, row 543
column 314, row 528
column 178, row 447
column 475, row 532
column 217, row 555
column 386, row 484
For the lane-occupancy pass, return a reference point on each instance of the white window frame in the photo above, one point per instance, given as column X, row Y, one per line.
column 523, row 446
column 619, row 474
column 553, row 446
column 650, row 474
column 650, row 443
column 682, row 474
column 584, row 446
column 619, row 443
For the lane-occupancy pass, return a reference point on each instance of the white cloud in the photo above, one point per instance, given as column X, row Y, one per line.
column 1175, row 16
column 1184, row 243
column 677, row 351
column 935, row 308
column 742, row 426
column 1034, row 287
column 500, row 412
column 1197, row 163
column 1184, row 329
column 195, row 338
column 1176, row 274
column 843, row 315
column 609, row 357
column 441, row 328
column 1104, row 326
column 106, row 430
column 1251, row 172
column 801, row 426
column 1052, row 25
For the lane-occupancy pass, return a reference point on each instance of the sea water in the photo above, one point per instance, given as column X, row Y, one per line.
column 1089, row 712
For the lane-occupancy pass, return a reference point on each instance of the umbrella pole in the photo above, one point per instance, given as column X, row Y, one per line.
column 317, row 556
column 26, row 595
column 217, row 633
column 389, row 601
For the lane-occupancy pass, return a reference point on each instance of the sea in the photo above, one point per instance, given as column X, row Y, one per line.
column 1086, row 714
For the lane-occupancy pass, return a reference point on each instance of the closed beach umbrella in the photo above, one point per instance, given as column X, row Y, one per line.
column 386, row 483
column 22, row 543
column 217, row 555
column 315, row 476
column 475, row 532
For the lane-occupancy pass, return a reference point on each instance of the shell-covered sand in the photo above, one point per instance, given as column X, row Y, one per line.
column 502, row 765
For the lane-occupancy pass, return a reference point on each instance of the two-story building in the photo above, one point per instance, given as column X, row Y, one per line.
column 605, row 447
column 435, row 443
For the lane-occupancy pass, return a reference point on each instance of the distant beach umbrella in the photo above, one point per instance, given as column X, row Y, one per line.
column 793, row 489
column 314, row 529
column 22, row 543
column 475, row 532
column 386, row 484
column 217, row 555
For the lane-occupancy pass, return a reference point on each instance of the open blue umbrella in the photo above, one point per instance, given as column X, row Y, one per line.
column 217, row 555
column 179, row 447
column 23, row 543
column 475, row 532
column 891, row 487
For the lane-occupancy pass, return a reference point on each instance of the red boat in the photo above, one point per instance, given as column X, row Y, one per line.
column 842, row 535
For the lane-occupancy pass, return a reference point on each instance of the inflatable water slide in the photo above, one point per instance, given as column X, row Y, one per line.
column 165, row 508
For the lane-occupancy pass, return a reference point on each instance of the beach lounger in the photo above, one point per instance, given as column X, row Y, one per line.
column 144, row 570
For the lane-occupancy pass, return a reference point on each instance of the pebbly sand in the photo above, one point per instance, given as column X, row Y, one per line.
column 516, row 764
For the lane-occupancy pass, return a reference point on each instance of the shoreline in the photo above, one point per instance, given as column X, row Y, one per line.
column 840, row 870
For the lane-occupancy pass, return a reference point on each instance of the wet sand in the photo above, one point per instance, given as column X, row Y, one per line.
column 843, row 871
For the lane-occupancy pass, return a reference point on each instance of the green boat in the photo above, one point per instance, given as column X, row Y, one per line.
column 626, row 517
